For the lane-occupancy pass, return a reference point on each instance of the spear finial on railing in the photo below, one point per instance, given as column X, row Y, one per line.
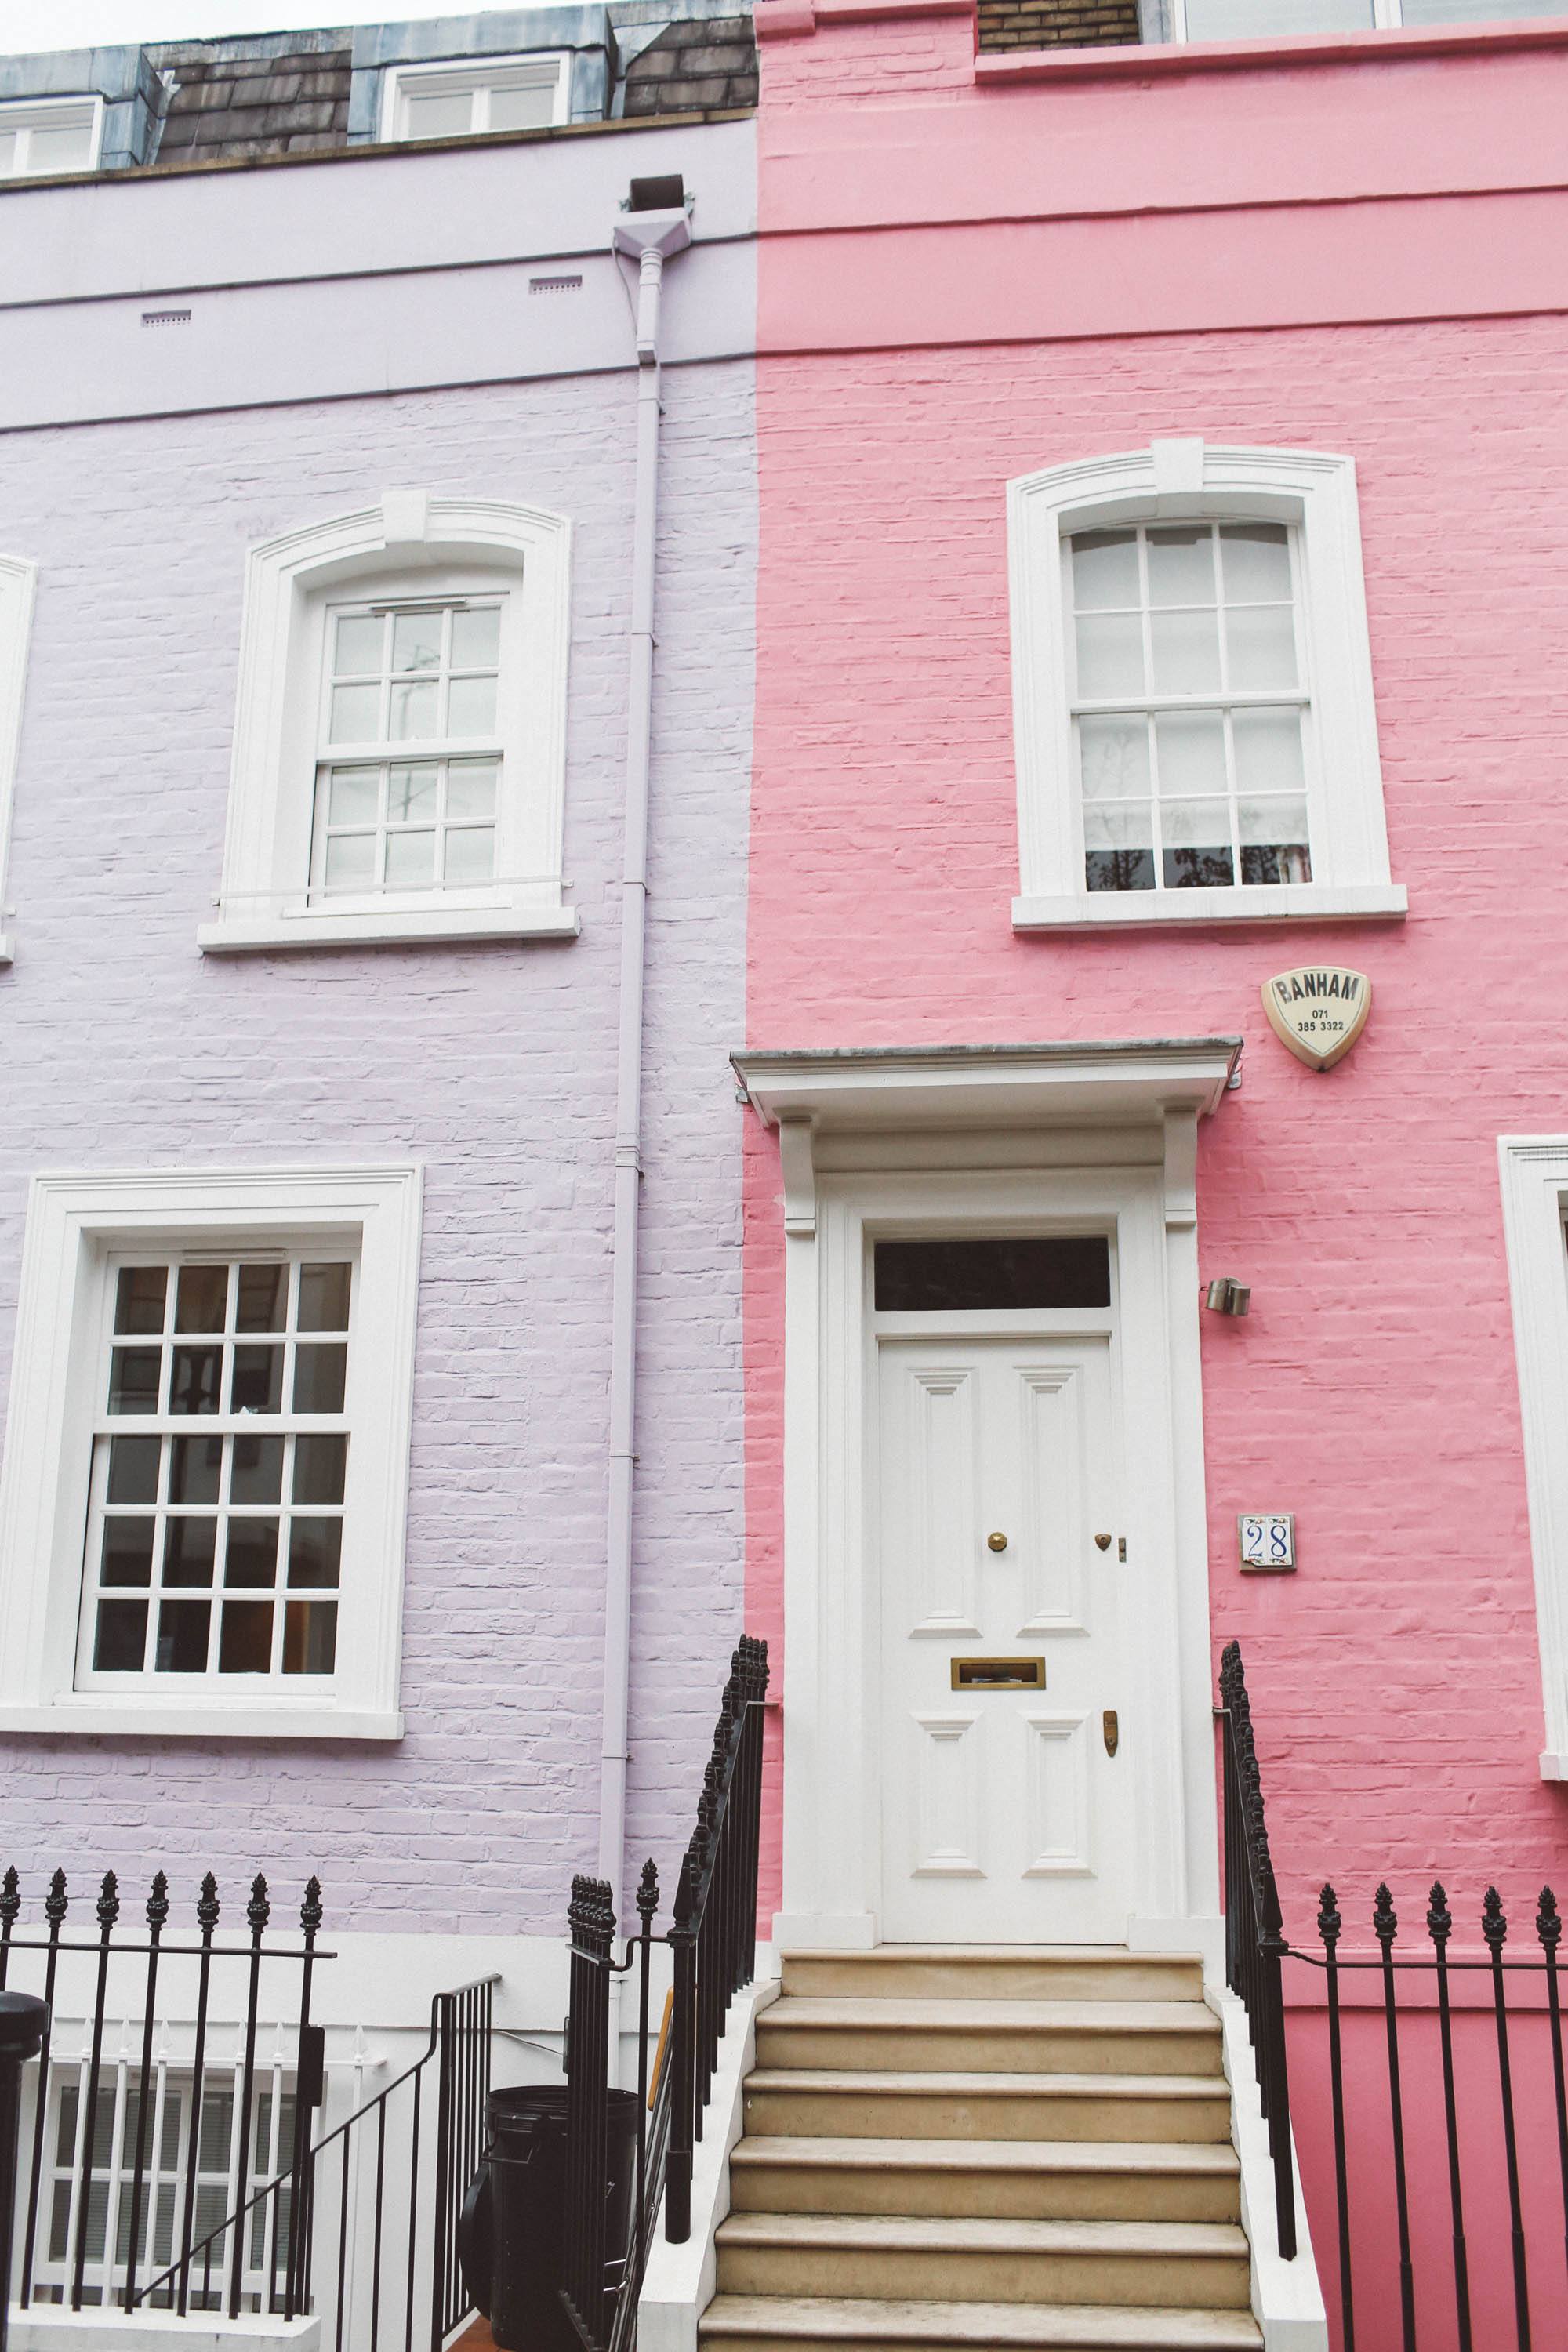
column 10, row 1897
column 647, row 1894
column 1548, row 1920
column 208, row 1905
column 158, row 1903
column 1494, row 1925
column 1384, row 1919
column 55, row 1904
column 310, row 1908
column 1439, row 1918
column 108, row 1904
column 1329, row 1920
column 259, row 1910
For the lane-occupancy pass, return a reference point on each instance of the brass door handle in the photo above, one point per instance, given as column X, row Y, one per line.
column 997, row 1542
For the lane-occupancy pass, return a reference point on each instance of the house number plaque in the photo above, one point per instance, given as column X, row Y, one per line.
column 1267, row 1541
column 1317, row 1011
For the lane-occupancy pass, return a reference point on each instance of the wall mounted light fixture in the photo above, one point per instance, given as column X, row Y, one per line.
column 1228, row 1296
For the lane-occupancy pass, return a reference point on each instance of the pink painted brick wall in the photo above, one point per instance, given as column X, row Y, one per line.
column 122, row 1046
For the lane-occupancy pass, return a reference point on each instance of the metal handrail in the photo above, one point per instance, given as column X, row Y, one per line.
column 1254, row 1942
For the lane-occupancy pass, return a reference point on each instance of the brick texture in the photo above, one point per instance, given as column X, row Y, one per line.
column 1057, row 24
column 120, row 1046
column 698, row 64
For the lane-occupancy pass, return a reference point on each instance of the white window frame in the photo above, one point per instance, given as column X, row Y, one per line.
column 1387, row 15
column 403, row 547
column 75, row 1225
column 18, row 584
column 1534, row 1170
column 523, row 67
column 1181, row 481
column 24, row 115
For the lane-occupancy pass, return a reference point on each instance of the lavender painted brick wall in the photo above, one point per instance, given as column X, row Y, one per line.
column 120, row 1046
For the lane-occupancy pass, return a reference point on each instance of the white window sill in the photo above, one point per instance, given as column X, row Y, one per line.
column 7, row 952
column 202, row 1719
column 1306, row 902
column 241, row 935
column 1553, row 1767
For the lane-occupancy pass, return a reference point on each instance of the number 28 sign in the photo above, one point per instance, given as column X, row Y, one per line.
column 1268, row 1540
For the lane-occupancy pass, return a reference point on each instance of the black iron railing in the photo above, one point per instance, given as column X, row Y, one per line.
column 1254, row 1940
column 1473, row 2119
column 387, row 2184
column 712, row 1945
column 138, row 2126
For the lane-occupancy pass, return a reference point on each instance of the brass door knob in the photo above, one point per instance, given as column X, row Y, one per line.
column 1103, row 1542
column 997, row 1542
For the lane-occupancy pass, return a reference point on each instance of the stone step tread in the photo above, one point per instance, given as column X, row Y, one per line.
column 856, row 2083
column 812, row 2011
column 1006, row 2326
column 1113, row 1955
column 949, row 2234
column 1105, row 2156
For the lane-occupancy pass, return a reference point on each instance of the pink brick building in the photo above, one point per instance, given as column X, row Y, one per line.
column 1073, row 365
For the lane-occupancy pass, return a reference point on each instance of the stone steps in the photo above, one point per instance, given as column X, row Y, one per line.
column 1042, row 2181
column 924, row 2106
column 779, row 2323
column 1045, row 2037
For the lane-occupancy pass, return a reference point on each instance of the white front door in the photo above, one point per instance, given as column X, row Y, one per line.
column 1006, row 1819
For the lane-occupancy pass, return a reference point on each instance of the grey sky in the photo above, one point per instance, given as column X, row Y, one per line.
column 79, row 24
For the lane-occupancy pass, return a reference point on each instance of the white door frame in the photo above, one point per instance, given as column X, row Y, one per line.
column 989, row 1140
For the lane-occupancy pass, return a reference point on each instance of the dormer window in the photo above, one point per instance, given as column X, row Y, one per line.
column 41, row 136
column 477, row 95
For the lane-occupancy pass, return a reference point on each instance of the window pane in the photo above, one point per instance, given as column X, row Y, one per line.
column 417, row 641
column 444, row 115
column 68, row 148
column 356, row 714
column 257, row 1379
column 522, row 110
column 139, row 1297
column 309, row 1637
column 263, row 1292
column 471, row 710
column 128, row 1550
column 1261, row 641
column 1274, row 841
column 119, row 1637
column 1119, row 869
column 252, row 1555
column 1118, row 852
column 1239, row 20
column 133, row 1380
column 944, row 1276
column 1186, row 649
column 1113, row 756
column 351, row 862
column 476, row 638
column 325, row 1298
column 7, row 164
column 471, row 854
column 471, row 788
column 182, row 1629
column 353, row 795
column 1189, row 746
column 357, row 646
column 1256, row 561
column 319, row 1466
column 189, row 1548
column 201, row 1301
column 258, row 1474
column 1268, row 751
column 319, row 1374
column 1109, row 656
column 315, row 1549
column 1181, row 566
column 194, row 1469
column 134, row 1469
column 1105, row 570
column 414, row 710
column 411, row 793
column 410, row 860
column 244, row 1646
column 1196, row 839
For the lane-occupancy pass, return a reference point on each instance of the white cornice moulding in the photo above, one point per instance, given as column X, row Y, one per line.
column 1088, row 1083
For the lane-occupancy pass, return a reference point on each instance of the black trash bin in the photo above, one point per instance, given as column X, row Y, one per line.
column 511, row 2231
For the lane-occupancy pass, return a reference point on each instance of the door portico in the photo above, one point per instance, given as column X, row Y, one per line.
column 1068, row 1139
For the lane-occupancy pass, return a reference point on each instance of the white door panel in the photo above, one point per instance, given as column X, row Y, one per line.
column 1005, row 1819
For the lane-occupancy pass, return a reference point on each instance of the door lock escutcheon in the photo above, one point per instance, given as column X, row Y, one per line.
column 1112, row 1731
column 1103, row 1542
